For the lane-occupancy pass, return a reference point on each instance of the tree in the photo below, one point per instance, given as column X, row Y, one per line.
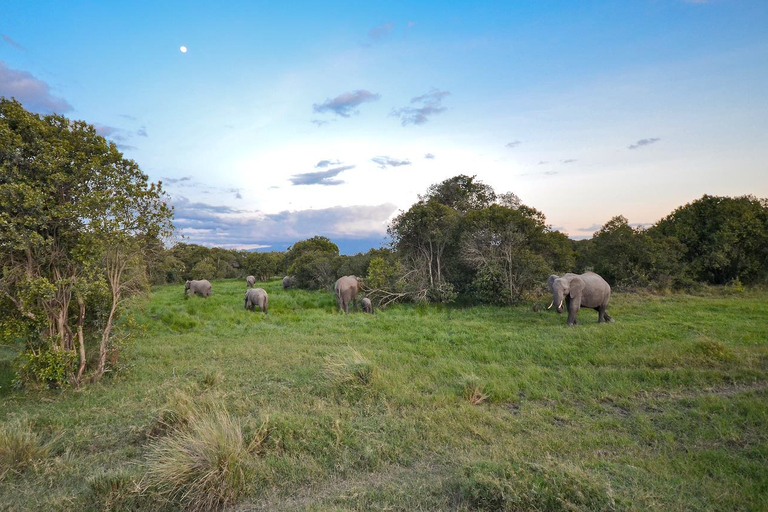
column 462, row 193
column 421, row 236
column 722, row 238
column 75, row 220
column 313, row 262
column 502, row 247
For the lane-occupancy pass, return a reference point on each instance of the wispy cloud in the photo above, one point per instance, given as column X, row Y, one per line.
column 644, row 142
column 429, row 156
column 319, row 122
column 381, row 31
column 119, row 136
column 320, row 177
column 174, row 181
column 322, row 164
column 13, row 43
column 385, row 161
column 34, row 94
column 568, row 161
column 186, row 182
column 430, row 103
column 345, row 104
column 104, row 130
column 513, row 144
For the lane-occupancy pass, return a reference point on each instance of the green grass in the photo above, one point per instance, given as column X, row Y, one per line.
column 431, row 408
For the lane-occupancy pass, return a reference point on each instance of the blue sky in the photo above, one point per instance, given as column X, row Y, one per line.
column 287, row 120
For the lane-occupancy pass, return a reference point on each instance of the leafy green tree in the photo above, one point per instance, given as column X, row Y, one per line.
column 504, row 250
column 422, row 236
column 264, row 265
column 190, row 255
column 313, row 262
column 206, row 268
column 723, row 239
column 461, row 193
column 621, row 253
column 76, row 218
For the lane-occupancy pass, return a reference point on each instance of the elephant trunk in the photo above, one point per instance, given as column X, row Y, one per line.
column 558, row 298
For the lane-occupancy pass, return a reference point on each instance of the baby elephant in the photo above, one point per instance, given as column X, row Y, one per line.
column 203, row 287
column 250, row 281
column 366, row 305
column 256, row 297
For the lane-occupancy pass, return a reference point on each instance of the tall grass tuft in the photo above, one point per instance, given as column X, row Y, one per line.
column 349, row 369
column 206, row 465
column 177, row 414
column 474, row 390
column 513, row 486
column 19, row 447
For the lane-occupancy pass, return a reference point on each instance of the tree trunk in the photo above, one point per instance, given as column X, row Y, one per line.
column 80, row 339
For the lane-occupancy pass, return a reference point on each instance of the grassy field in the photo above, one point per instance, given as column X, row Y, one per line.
column 413, row 408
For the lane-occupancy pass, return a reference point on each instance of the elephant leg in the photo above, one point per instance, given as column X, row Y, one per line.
column 600, row 314
column 573, row 307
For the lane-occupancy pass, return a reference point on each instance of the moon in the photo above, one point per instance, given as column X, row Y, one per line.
column 183, row 49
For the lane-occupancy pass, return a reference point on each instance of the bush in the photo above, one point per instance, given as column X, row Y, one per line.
column 53, row 368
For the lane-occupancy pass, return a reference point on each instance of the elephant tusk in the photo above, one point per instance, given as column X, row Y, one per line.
column 550, row 306
column 561, row 304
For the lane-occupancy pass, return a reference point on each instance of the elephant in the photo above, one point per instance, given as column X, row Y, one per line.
column 588, row 290
column 289, row 282
column 345, row 290
column 250, row 281
column 256, row 298
column 203, row 287
column 366, row 305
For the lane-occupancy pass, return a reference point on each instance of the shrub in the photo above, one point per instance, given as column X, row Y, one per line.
column 53, row 368
column 205, row 465
column 19, row 447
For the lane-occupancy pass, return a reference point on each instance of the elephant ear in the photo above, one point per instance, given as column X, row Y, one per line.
column 551, row 282
column 577, row 286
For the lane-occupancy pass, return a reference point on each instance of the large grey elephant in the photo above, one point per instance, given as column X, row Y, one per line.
column 203, row 287
column 289, row 282
column 587, row 290
column 256, row 298
column 366, row 305
column 250, row 281
column 345, row 290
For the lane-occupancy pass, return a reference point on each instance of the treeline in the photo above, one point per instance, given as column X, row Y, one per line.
column 82, row 230
column 463, row 241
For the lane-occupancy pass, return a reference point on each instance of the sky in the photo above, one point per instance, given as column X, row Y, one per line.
column 285, row 120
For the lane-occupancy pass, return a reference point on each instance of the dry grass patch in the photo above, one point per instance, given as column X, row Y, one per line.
column 19, row 448
column 349, row 369
column 205, row 465
column 475, row 391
